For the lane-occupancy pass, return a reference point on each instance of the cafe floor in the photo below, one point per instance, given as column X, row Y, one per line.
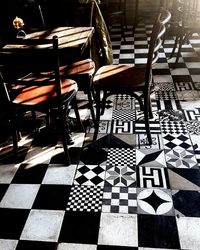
column 118, row 193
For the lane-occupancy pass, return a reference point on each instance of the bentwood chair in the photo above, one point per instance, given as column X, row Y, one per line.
column 82, row 71
column 34, row 92
column 189, row 24
column 131, row 80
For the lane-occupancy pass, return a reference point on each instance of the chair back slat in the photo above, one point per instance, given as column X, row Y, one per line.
column 155, row 42
column 31, row 56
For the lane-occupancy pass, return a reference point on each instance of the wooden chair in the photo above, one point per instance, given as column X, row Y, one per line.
column 82, row 71
column 123, row 79
column 36, row 92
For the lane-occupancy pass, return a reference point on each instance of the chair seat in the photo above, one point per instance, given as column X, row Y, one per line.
column 35, row 95
column 119, row 77
column 82, row 67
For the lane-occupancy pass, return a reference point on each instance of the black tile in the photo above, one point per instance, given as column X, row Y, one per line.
column 3, row 189
column 93, row 155
column 30, row 174
column 52, row 197
column 80, row 227
column 115, row 248
column 182, row 78
column 12, row 222
column 187, row 203
column 36, row 245
column 74, row 153
column 158, row 232
column 161, row 71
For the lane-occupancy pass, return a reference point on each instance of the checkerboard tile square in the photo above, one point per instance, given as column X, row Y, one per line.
column 119, row 200
column 85, row 198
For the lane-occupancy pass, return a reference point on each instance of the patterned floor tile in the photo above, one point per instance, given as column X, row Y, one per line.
column 193, row 127
column 181, row 86
column 166, row 95
column 122, row 127
column 177, row 141
column 164, row 86
column 173, row 127
column 124, row 115
column 154, row 201
column 154, row 127
column 181, row 158
column 123, row 176
column 182, row 179
column 142, row 141
column 121, row 157
column 152, row 177
column 85, row 198
column 124, row 102
column 90, row 175
column 171, row 115
column 119, row 200
column 186, row 95
column 186, row 203
column 150, row 158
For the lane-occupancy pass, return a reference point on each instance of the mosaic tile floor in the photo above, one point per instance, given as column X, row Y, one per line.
column 118, row 193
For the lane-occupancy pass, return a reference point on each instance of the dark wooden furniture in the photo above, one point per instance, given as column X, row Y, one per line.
column 36, row 91
column 131, row 80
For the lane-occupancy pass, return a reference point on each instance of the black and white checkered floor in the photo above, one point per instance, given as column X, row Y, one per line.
column 118, row 193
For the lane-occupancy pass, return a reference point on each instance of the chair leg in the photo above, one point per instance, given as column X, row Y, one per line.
column 75, row 106
column 146, row 120
column 175, row 46
column 103, row 103
column 64, row 131
column 98, row 108
column 90, row 100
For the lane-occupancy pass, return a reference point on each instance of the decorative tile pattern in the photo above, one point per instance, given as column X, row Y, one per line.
column 120, row 176
column 177, row 141
column 173, row 127
column 90, row 175
column 150, row 158
column 193, row 127
column 85, row 198
column 155, row 201
column 124, row 115
column 121, row 157
column 119, row 200
column 150, row 177
column 180, row 158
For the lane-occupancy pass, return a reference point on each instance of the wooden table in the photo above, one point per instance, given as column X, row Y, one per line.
column 72, row 40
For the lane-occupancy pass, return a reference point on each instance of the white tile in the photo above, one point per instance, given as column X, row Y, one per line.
column 71, row 246
column 193, row 65
column 59, row 174
column 43, row 225
column 140, row 60
column 7, row 172
column 20, row 196
column 162, row 78
column 126, row 56
column 141, row 51
column 189, row 232
column 127, row 46
column 180, row 71
column 8, row 244
column 160, row 66
column 118, row 229
column 195, row 78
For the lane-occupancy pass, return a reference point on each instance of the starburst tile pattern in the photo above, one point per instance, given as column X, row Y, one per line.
column 122, row 176
column 155, row 201
column 180, row 158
